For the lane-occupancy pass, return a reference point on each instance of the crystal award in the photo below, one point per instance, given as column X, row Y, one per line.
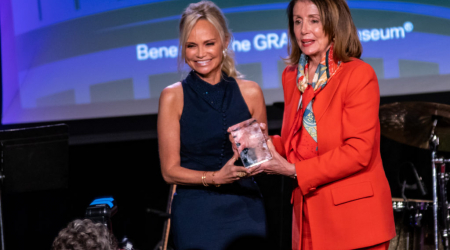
column 250, row 142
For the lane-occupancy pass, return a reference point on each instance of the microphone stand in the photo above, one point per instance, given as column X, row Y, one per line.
column 2, row 177
column 2, row 237
column 434, row 143
column 443, row 179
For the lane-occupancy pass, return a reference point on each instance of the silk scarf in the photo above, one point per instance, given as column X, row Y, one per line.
column 308, row 127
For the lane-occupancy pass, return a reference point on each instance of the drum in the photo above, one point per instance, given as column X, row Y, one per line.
column 413, row 225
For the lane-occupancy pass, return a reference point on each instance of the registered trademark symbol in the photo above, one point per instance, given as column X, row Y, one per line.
column 408, row 26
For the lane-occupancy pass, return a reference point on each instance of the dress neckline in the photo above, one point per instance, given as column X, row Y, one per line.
column 215, row 94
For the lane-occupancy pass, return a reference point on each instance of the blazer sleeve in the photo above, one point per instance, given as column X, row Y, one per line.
column 359, row 126
column 276, row 139
column 279, row 146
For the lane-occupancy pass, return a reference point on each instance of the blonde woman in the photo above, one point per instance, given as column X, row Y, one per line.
column 215, row 203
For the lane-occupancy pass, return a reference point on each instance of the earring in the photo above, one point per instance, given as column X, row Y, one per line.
column 224, row 52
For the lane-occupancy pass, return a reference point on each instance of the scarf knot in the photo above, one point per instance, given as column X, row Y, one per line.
column 325, row 70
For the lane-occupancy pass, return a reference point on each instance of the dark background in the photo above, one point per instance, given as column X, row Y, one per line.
column 119, row 157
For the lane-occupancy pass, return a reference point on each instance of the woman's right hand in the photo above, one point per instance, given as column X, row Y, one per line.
column 278, row 164
column 229, row 172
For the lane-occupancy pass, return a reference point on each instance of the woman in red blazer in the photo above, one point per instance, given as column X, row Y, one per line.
column 330, row 138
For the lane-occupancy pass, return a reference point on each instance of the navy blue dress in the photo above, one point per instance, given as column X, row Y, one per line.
column 213, row 218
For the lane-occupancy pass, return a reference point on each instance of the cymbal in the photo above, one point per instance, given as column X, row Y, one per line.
column 411, row 123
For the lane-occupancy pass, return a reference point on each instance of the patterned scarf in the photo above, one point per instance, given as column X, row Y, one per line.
column 327, row 65
column 325, row 70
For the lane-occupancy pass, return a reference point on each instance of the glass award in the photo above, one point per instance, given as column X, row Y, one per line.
column 250, row 142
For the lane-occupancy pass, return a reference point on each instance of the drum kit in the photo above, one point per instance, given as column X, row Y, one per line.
column 427, row 126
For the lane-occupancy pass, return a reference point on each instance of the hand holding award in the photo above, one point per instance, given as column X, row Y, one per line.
column 250, row 143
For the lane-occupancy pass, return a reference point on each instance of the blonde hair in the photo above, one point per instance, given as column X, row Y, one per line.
column 338, row 26
column 207, row 10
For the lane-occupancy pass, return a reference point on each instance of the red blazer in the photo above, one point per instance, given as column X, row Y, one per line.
column 345, row 187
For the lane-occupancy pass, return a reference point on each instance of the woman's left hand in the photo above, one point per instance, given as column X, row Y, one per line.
column 277, row 165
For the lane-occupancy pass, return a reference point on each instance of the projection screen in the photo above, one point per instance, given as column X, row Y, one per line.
column 82, row 59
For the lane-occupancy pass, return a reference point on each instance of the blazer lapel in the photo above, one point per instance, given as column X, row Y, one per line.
column 325, row 96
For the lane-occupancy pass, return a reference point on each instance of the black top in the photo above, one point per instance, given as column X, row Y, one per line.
column 212, row 218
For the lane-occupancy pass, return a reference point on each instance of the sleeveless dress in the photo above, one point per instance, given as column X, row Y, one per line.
column 213, row 218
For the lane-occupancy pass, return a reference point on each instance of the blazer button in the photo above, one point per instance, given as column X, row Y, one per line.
column 312, row 189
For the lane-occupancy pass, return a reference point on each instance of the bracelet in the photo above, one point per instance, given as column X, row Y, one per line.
column 217, row 185
column 204, row 179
